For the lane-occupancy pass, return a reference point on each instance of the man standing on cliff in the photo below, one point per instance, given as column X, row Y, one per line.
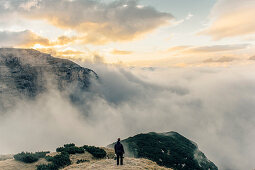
column 119, row 151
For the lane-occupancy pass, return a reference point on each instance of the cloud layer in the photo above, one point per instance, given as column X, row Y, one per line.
column 212, row 106
column 96, row 22
column 29, row 39
column 22, row 38
column 219, row 60
column 208, row 49
column 231, row 18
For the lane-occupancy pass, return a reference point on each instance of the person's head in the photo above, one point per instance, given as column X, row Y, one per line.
column 118, row 139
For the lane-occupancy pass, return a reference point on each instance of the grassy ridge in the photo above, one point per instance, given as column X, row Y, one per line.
column 62, row 159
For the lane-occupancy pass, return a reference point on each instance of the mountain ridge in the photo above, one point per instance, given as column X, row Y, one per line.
column 84, row 161
column 183, row 155
column 28, row 72
column 169, row 149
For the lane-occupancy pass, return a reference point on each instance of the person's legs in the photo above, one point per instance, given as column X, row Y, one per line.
column 118, row 159
column 121, row 159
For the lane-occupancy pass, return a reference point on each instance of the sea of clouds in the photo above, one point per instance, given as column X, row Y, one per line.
column 213, row 107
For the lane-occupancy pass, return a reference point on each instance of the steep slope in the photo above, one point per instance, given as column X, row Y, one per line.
column 27, row 73
column 167, row 149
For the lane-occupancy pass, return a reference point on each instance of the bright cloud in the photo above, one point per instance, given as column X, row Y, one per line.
column 216, row 48
column 28, row 38
column 231, row 18
column 207, row 49
column 23, row 38
column 96, row 22
column 121, row 52
column 219, row 60
column 128, row 31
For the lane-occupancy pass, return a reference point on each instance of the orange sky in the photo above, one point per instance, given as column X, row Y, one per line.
column 137, row 33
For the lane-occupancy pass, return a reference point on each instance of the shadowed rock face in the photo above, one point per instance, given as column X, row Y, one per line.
column 27, row 73
column 169, row 149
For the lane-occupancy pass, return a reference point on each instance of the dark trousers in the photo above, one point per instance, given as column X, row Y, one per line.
column 120, row 159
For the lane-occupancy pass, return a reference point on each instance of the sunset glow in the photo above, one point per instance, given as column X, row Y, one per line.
column 132, row 32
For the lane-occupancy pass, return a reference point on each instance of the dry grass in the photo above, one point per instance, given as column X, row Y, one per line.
column 5, row 157
column 129, row 164
column 11, row 164
column 8, row 163
column 110, row 163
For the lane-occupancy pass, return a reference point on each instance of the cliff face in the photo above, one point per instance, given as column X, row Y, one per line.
column 27, row 73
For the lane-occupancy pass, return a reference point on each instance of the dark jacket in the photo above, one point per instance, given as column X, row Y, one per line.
column 118, row 147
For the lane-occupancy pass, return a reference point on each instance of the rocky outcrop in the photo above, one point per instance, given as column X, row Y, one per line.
column 169, row 149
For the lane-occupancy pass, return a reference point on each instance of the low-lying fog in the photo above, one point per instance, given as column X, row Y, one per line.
column 214, row 107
